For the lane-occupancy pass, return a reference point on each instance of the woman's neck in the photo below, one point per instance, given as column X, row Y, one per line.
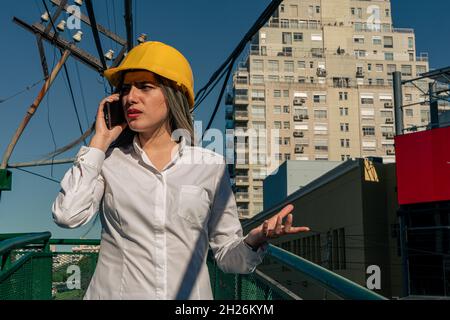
column 156, row 140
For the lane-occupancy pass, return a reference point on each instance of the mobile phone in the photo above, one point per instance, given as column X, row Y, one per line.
column 114, row 114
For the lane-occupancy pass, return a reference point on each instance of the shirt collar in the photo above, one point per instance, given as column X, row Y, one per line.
column 138, row 149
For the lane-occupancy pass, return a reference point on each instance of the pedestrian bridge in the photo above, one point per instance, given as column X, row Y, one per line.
column 29, row 270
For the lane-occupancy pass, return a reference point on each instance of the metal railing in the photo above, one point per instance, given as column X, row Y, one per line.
column 29, row 270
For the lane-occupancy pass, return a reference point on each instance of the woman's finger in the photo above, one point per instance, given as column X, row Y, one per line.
column 265, row 228
column 288, row 224
column 278, row 226
column 298, row 229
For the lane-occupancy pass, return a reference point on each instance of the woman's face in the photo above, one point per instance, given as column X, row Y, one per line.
column 143, row 101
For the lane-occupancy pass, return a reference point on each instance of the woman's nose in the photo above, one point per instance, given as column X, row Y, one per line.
column 132, row 95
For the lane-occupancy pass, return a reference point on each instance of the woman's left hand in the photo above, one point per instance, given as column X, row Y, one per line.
column 274, row 228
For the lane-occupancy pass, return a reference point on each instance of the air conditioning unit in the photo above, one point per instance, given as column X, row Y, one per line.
column 299, row 101
column 321, row 72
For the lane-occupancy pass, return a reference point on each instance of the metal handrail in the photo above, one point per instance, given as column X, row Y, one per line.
column 23, row 240
column 335, row 283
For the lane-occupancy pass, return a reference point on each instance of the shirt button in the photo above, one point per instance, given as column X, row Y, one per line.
column 81, row 159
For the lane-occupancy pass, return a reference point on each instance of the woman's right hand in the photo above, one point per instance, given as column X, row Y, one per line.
column 103, row 137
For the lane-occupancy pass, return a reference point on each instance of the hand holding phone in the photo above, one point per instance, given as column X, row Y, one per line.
column 114, row 114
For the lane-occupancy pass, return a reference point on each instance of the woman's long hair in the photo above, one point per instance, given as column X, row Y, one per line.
column 179, row 115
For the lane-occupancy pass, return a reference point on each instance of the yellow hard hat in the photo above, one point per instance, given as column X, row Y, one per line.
column 158, row 58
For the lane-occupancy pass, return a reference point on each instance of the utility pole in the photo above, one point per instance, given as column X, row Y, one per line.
column 68, row 48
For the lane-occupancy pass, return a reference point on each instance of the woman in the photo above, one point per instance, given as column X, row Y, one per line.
column 162, row 201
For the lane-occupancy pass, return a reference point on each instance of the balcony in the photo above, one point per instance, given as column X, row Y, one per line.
column 242, row 197
column 241, row 180
column 243, row 212
column 388, row 105
column 299, row 101
column 241, row 99
column 390, row 152
column 321, row 72
column 229, row 113
column 389, row 121
column 298, row 134
column 241, row 115
column 360, row 74
column 299, row 149
column 298, row 118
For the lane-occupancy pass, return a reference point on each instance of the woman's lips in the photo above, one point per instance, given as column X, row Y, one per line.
column 133, row 113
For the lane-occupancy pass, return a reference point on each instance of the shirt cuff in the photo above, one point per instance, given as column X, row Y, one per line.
column 256, row 257
column 91, row 157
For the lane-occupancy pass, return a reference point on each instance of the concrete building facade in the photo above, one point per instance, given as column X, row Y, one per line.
column 320, row 72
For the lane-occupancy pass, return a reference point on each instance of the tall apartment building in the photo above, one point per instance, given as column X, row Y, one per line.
column 320, row 71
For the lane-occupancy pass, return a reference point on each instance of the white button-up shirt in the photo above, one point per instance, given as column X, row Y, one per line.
column 156, row 225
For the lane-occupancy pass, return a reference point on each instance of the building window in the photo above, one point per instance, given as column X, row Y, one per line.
column 358, row 39
column 287, row 37
column 257, row 79
column 344, row 127
column 409, row 112
column 380, row 82
column 258, row 95
column 343, row 111
column 277, row 110
column 408, row 97
column 287, row 141
column 298, row 36
column 277, row 125
column 345, row 143
column 287, row 156
column 388, row 42
column 258, row 65
column 377, row 41
column 379, row 68
column 317, row 9
column 406, row 70
column 274, row 66
column 301, row 80
column 367, row 100
column 391, row 68
column 289, row 66
column 411, row 43
column 282, row 8
column 284, row 23
column 368, row 131
column 286, row 109
column 320, row 114
column 311, row 64
column 301, row 64
column 387, row 12
column 289, row 79
column 277, row 93
column 389, row 56
column 287, row 51
column 343, row 96
column 273, row 78
column 259, row 111
column 285, row 93
column 320, row 98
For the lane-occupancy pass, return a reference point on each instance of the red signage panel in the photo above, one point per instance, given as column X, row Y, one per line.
column 423, row 166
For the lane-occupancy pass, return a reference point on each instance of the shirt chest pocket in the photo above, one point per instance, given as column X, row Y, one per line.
column 193, row 205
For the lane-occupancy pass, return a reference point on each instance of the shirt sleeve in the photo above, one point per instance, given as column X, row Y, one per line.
column 81, row 191
column 226, row 238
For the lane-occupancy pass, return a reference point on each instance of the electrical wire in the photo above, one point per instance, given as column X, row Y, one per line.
column 38, row 175
column 66, row 73
column 27, row 88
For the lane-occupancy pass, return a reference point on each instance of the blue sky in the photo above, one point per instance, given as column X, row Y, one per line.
column 205, row 31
